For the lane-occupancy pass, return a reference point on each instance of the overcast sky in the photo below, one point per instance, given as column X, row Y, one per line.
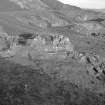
column 92, row 4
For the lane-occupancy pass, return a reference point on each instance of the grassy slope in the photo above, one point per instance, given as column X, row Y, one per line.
column 21, row 85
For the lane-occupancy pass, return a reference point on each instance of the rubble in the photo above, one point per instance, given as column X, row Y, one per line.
column 97, row 70
column 87, row 58
column 94, row 63
column 91, row 29
column 98, row 35
column 52, row 45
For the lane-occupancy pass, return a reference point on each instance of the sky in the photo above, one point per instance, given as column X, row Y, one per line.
column 91, row 4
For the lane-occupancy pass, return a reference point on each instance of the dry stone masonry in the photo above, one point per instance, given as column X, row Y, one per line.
column 36, row 44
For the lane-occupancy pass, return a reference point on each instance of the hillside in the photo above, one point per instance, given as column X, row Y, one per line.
column 51, row 54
